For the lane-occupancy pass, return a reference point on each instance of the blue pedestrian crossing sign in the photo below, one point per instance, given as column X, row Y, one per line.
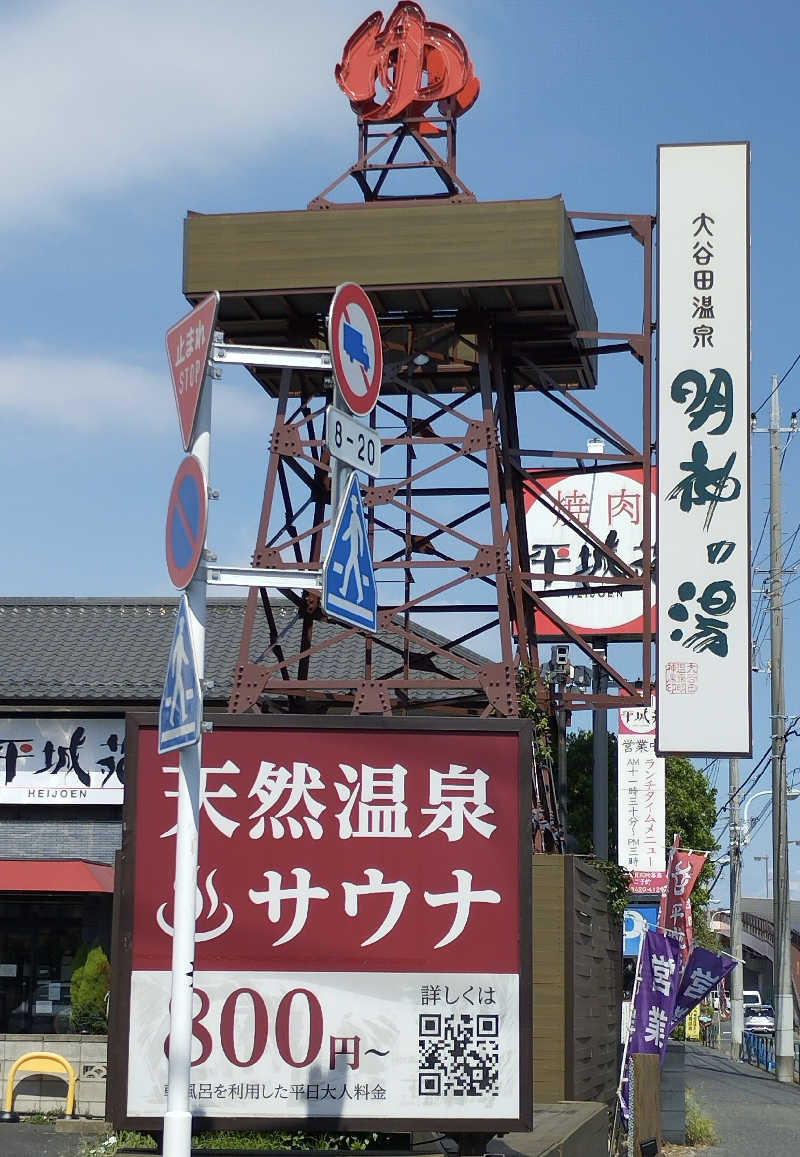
column 348, row 580
column 180, row 716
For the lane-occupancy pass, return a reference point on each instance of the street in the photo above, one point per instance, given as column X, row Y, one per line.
column 752, row 1113
column 40, row 1140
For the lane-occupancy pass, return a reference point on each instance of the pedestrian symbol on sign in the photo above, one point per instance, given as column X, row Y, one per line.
column 181, row 712
column 182, row 695
column 348, row 580
column 354, row 535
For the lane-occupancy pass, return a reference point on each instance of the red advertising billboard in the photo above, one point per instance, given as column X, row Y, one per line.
column 363, row 954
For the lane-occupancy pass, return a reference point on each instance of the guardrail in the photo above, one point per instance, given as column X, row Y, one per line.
column 709, row 1034
column 759, row 1049
column 764, row 929
column 759, row 927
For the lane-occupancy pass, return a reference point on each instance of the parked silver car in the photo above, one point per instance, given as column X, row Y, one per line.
column 760, row 1018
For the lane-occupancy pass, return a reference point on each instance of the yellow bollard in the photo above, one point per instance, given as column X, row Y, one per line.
column 41, row 1063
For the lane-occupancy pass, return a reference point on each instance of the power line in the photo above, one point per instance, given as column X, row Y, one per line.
column 761, row 536
column 790, row 538
column 758, row 822
column 762, row 605
column 777, row 384
column 792, row 730
column 760, row 615
column 786, row 447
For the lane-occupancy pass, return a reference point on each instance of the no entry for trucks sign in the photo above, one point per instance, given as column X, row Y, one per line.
column 354, row 339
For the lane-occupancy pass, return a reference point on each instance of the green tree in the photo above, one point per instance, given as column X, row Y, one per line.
column 580, row 770
column 691, row 810
column 691, row 804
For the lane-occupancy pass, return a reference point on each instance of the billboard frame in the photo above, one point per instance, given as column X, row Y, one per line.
column 535, row 493
column 489, row 332
column 123, row 927
column 743, row 413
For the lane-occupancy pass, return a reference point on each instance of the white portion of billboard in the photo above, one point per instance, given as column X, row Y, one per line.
column 345, row 1045
column 703, row 440
column 609, row 503
column 641, row 821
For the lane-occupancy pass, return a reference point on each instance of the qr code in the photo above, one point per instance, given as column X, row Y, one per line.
column 458, row 1055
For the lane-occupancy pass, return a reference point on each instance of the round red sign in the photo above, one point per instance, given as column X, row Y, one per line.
column 187, row 515
column 354, row 340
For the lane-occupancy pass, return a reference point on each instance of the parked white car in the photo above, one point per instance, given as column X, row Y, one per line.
column 760, row 1018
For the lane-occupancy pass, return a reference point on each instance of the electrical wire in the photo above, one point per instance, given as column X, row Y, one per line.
column 758, row 822
column 759, row 623
column 759, row 626
column 761, row 605
column 761, row 535
column 786, row 447
column 711, row 771
column 777, row 384
column 787, row 538
column 791, row 730
column 761, row 609
column 791, row 580
column 742, row 787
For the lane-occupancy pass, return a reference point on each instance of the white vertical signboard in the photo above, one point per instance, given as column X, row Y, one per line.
column 641, row 819
column 703, row 462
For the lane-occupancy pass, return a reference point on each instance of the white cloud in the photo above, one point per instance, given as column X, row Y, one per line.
column 84, row 393
column 242, row 406
column 102, row 95
column 94, row 393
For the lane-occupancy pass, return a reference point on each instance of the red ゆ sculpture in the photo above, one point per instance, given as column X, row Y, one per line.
column 416, row 61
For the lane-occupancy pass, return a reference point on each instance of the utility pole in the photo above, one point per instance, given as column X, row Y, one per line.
column 735, row 874
column 561, row 729
column 600, row 762
column 782, row 976
column 765, row 861
column 784, row 1010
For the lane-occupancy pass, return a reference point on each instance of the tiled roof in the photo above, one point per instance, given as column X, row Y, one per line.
column 67, row 650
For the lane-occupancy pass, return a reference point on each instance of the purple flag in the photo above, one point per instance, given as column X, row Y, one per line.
column 653, row 1004
column 703, row 972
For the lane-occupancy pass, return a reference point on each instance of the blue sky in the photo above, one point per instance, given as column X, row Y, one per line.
column 121, row 116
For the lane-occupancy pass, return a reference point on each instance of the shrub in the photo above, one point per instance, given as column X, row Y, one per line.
column 699, row 1128
column 90, row 984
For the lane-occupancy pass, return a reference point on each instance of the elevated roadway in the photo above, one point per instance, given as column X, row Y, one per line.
column 758, row 938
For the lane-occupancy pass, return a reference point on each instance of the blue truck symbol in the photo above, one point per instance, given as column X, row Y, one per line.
column 354, row 346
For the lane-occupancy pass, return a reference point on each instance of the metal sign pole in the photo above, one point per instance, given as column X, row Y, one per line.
column 178, row 1117
column 337, row 465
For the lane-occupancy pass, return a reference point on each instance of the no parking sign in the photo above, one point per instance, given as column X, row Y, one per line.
column 187, row 516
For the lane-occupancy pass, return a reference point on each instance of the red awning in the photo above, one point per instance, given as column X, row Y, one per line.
column 55, row 876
